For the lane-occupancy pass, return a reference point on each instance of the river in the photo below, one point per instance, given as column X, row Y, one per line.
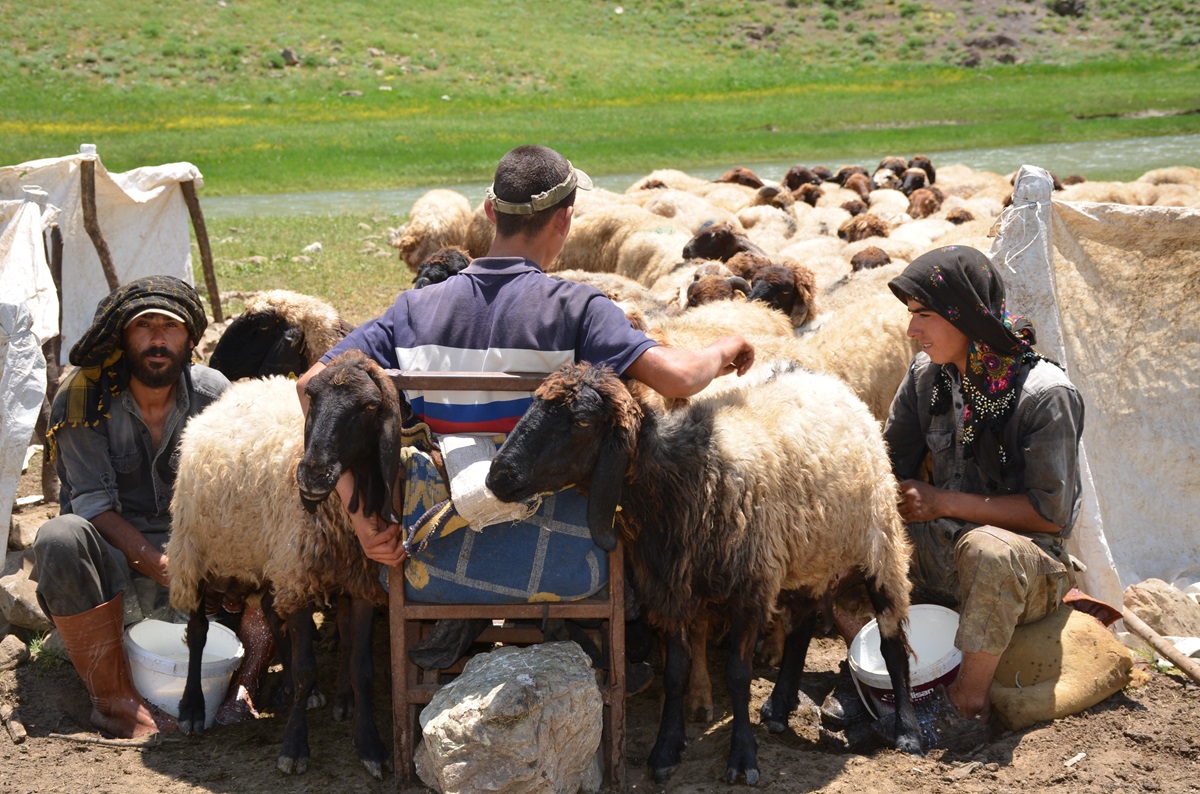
column 1123, row 159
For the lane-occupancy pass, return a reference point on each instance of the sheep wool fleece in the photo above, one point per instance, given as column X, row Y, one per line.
column 500, row 314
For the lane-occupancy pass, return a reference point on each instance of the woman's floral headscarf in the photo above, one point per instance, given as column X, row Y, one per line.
column 960, row 284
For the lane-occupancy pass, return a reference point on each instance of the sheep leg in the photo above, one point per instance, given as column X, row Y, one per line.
column 343, row 698
column 743, row 749
column 668, row 747
column 191, row 705
column 366, row 735
column 785, row 697
column 893, row 646
column 699, row 703
column 302, row 632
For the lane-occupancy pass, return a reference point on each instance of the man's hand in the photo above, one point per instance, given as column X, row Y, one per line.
column 737, row 355
column 381, row 542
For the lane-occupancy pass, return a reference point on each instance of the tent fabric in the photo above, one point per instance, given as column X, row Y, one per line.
column 1114, row 291
column 22, row 390
column 142, row 215
column 24, row 273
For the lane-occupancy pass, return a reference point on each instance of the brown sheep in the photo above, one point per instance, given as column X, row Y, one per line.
column 869, row 258
column 708, row 289
column 913, row 179
column 923, row 202
column 741, row 176
column 860, row 227
column 719, row 241
column 822, row 172
column 789, row 288
column 808, row 194
column 855, row 207
column 860, row 184
column 798, row 175
column 441, row 265
column 846, row 171
column 925, row 164
column 774, row 196
column 959, row 216
column 747, row 263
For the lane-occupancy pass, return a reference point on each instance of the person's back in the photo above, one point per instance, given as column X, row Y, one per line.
column 503, row 314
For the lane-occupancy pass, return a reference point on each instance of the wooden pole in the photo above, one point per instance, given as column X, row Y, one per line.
column 87, row 175
column 210, row 275
column 1185, row 663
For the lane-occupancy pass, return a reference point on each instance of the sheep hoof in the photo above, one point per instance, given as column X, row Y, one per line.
column 188, row 727
column 731, row 776
column 341, row 710
column 773, row 723
column 292, row 766
column 315, row 700
column 663, row 773
column 374, row 767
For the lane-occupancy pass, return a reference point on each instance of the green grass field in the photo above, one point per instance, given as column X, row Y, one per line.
column 270, row 97
column 408, row 96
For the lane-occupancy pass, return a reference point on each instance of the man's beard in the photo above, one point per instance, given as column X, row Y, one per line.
column 158, row 377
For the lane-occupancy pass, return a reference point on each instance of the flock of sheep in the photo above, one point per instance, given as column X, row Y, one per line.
column 799, row 268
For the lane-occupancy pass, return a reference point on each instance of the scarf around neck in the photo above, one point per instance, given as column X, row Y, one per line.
column 960, row 285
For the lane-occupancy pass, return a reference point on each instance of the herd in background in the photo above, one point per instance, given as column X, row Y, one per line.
column 799, row 268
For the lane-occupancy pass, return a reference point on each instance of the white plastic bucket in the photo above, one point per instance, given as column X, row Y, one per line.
column 931, row 630
column 158, row 659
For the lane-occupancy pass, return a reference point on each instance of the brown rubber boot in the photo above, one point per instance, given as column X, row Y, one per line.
column 94, row 641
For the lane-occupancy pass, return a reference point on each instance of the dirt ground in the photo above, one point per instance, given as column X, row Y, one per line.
column 1142, row 739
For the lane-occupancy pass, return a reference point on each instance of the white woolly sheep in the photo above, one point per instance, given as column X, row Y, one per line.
column 438, row 219
column 685, row 210
column 237, row 516
column 623, row 239
column 757, row 499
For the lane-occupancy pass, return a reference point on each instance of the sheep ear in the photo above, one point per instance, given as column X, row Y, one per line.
column 389, row 467
column 608, row 477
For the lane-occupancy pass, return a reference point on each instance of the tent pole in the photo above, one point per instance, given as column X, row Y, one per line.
column 210, row 275
column 87, row 175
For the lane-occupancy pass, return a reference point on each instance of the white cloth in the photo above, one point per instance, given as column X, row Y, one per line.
column 468, row 458
column 24, row 273
column 142, row 215
column 22, row 390
column 1112, row 291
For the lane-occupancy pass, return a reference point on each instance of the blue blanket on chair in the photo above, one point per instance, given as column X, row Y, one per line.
column 548, row 557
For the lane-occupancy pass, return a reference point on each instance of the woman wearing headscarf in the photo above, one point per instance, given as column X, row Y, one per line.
column 1000, row 425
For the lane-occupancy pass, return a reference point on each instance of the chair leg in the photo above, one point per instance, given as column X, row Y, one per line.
column 615, row 708
column 402, row 725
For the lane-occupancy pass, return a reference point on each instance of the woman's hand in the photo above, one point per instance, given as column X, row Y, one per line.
column 919, row 501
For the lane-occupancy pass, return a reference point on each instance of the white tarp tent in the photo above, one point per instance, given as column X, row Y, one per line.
column 28, row 317
column 143, row 216
column 1114, row 292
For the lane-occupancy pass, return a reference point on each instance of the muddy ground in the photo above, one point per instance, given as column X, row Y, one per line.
column 1146, row 738
column 1143, row 739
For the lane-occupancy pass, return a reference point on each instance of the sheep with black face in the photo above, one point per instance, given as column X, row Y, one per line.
column 756, row 498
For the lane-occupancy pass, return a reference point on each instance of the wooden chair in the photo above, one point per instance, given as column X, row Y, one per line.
column 413, row 686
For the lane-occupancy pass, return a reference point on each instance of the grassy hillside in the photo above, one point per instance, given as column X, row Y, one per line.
column 270, row 96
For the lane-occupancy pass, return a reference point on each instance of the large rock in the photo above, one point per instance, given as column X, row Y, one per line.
column 18, row 595
column 516, row 719
column 1164, row 608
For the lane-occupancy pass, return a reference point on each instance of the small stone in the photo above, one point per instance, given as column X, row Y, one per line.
column 13, row 652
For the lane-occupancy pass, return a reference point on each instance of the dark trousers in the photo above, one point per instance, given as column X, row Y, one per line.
column 77, row 570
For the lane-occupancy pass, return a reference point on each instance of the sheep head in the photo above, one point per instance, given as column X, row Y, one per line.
column 354, row 418
column 258, row 344
column 718, row 241
column 789, row 289
column 582, row 428
column 441, row 265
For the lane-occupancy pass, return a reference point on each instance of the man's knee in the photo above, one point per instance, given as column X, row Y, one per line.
column 62, row 537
